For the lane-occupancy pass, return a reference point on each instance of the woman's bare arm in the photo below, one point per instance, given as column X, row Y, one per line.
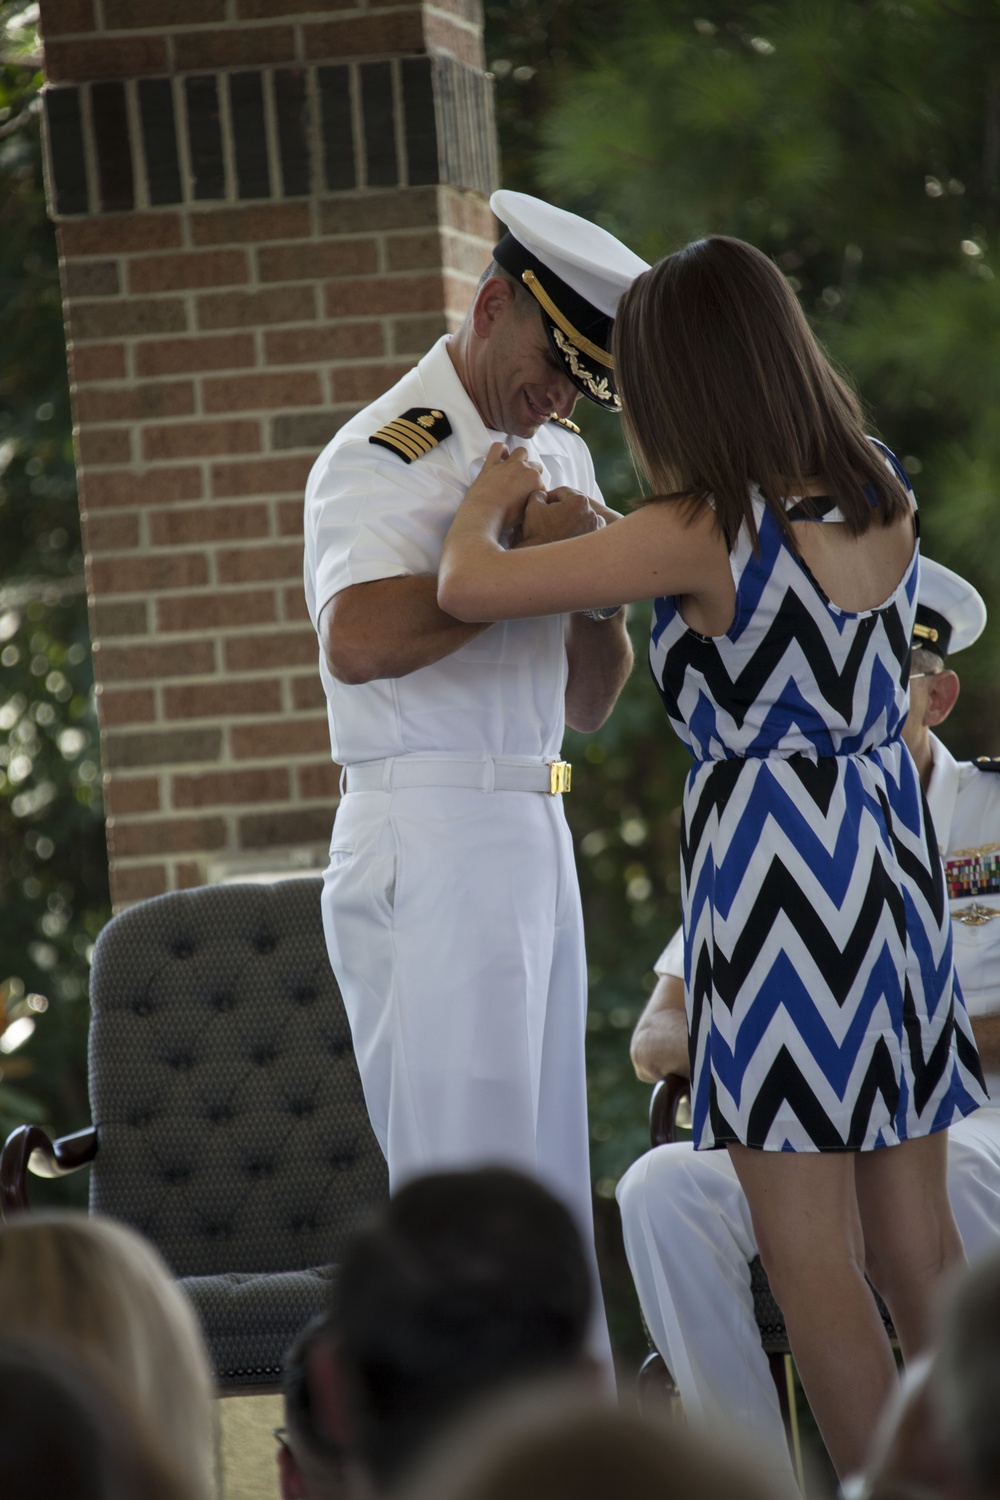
column 659, row 549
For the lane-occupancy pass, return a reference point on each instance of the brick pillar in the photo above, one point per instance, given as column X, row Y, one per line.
column 266, row 211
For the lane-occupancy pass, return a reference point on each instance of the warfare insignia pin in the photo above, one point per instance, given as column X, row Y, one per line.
column 413, row 434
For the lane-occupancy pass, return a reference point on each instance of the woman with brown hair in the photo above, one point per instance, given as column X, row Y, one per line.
column 829, row 1042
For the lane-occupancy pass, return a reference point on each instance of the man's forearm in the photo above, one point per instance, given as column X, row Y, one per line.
column 389, row 628
column 600, row 659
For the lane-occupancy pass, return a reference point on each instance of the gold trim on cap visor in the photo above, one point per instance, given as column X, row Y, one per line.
column 585, row 346
column 925, row 632
column 597, row 385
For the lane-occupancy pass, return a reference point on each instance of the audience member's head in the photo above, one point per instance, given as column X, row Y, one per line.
column 97, row 1289
column 66, row 1434
column 559, row 1445
column 965, row 1383
column 316, row 1455
column 469, row 1282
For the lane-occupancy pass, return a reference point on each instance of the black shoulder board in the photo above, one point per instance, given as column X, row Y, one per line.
column 565, row 422
column 987, row 763
column 413, row 434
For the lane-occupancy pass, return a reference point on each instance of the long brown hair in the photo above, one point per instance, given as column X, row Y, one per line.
column 723, row 384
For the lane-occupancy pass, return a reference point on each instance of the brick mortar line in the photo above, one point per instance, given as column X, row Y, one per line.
column 213, row 810
column 124, row 258
column 382, row 320
column 182, row 639
column 228, row 677
column 316, row 17
column 188, row 212
column 238, row 413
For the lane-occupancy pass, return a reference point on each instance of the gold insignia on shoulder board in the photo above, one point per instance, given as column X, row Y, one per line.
column 565, row 422
column 413, row 434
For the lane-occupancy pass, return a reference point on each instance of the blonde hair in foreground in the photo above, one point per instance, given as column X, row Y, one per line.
column 98, row 1289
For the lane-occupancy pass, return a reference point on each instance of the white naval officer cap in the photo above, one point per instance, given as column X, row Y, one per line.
column 951, row 614
column 577, row 273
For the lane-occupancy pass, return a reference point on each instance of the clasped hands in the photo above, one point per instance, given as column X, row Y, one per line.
column 509, row 481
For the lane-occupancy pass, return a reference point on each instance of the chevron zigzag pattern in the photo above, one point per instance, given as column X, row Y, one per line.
column 823, row 1007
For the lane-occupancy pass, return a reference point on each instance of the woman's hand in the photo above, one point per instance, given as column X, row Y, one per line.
column 557, row 515
column 506, row 483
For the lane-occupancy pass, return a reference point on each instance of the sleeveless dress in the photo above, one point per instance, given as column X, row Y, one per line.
column 823, row 1009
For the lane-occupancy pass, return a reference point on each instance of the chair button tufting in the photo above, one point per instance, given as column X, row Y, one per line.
column 219, row 1114
column 223, row 1002
column 182, row 948
column 301, row 1109
column 142, row 1008
column 304, row 995
column 181, row 1062
column 259, row 1169
column 176, row 1175
column 264, row 1054
column 264, row 944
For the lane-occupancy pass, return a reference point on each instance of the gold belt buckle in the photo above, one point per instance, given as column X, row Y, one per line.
column 560, row 776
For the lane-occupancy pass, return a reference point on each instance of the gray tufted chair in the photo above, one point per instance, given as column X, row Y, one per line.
column 229, row 1122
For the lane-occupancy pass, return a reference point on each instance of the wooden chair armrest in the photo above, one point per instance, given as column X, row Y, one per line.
column 668, row 1095
column 28, row 1148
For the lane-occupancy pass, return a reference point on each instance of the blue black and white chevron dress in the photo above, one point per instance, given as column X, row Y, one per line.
column 823, row 1009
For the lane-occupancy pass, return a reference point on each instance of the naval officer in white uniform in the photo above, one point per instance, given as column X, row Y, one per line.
column 451, row 905
column 686, row 1222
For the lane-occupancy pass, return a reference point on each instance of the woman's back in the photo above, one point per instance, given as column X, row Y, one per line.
column 795, row 673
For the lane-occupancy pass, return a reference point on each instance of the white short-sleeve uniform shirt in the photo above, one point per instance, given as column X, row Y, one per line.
column 453, row 915
column 370, row 515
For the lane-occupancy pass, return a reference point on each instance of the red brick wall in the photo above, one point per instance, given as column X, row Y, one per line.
column 216, row 343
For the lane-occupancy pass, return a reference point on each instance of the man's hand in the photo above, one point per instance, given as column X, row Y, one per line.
column 559, row 514
column 660, row 1039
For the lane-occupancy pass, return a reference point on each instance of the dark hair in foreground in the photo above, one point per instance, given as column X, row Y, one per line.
column 552, row 1445
column 317, row 1436
column 965, row 1378
column 723, row 384
column 467, row 1283
column 66, row 1434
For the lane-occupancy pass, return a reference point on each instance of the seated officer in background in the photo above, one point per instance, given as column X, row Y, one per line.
column 687, row 1228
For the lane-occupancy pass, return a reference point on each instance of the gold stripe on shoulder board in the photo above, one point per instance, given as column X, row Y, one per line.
column 414, row 433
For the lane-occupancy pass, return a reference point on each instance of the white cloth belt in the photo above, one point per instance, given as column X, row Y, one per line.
column 484, row 773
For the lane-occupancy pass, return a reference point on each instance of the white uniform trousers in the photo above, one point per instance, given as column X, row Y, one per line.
column 454, row 928
column 689, row 1241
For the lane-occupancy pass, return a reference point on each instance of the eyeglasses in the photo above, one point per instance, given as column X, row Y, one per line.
column 280, row 1435
column 915, row 675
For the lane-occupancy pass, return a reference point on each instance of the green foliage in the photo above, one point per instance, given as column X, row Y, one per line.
column 53, row 863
